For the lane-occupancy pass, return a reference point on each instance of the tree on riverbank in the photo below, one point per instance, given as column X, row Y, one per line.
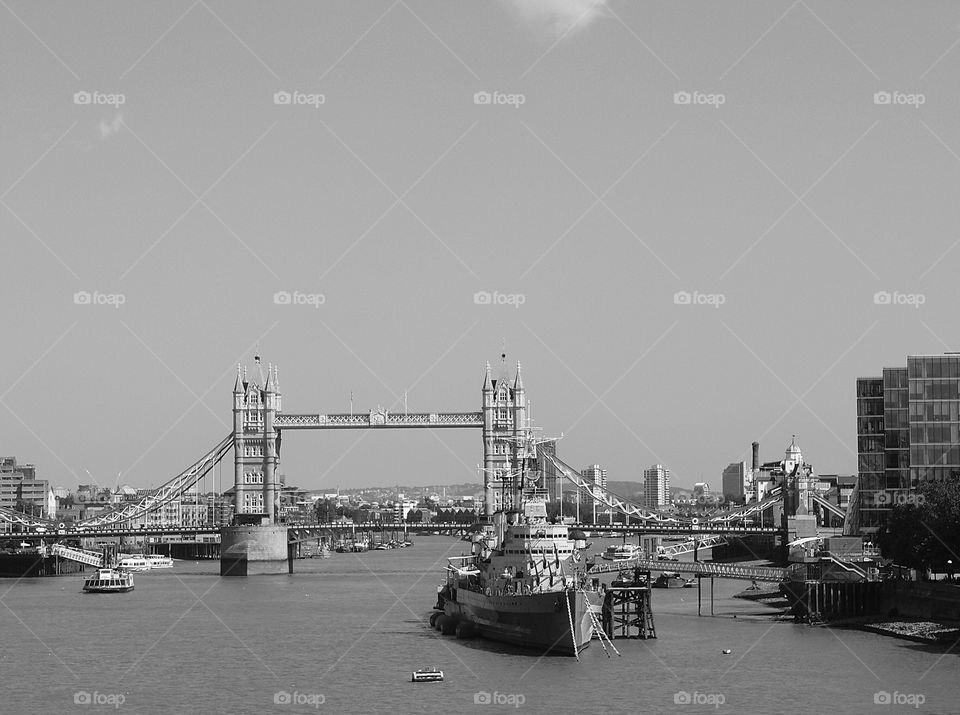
column 925, row 533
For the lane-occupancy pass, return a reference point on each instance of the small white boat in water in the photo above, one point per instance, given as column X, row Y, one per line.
column 133, row 563
column 108, row 581
column 624, row 552
column 159, row 561
column 427, row 675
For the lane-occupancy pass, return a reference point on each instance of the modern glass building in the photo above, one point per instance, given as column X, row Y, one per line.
column 908, row 432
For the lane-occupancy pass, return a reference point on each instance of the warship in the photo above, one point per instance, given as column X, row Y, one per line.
column 523, row 583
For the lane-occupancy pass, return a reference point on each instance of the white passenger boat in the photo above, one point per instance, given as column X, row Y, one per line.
column 133, row 563
column 108, row 581
column 159, row 561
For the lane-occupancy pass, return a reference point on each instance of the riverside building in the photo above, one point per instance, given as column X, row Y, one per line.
column 908, row 432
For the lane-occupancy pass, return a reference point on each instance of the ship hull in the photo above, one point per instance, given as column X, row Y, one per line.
column 538, row 621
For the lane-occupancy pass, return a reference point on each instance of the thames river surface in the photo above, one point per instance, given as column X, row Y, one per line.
column 343, row 634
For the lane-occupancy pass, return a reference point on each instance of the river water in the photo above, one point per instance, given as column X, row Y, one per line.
column 343, row 634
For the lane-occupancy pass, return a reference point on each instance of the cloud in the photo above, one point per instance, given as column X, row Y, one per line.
column 108, row 129
column 558, row 16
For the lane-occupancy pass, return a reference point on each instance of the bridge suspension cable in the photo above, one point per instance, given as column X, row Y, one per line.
column 166, row 492
column 646, row 514
column 11, row 516
column 604, row 495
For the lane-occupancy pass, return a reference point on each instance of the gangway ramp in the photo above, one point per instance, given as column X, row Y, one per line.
column 691, row 545
column 704, row 568
column 90, row 558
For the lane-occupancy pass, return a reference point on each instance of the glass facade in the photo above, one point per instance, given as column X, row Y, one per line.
column 934, row 417
column 870, row 448
column 896, row 429
column 908, row 431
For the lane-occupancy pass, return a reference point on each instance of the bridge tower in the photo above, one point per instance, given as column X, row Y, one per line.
column 505, row 426
column 255, row 407
column 271, row 406
column 255, row 543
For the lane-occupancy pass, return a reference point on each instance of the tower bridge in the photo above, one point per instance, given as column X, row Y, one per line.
column 257, row 541
column 259, row 422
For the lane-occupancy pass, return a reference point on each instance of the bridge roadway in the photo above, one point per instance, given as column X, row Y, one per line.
column 702, row 529
column 93, row 532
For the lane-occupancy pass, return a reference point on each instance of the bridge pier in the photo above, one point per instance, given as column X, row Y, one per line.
column 252, row 550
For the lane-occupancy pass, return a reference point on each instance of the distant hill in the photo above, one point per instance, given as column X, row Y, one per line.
column 634, row 490
column 464, row 488
column 628, row 490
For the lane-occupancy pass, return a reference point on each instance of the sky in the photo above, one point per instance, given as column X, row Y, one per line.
column 696, row 224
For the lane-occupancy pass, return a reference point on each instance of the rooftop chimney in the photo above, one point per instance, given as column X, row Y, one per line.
column 756, row 456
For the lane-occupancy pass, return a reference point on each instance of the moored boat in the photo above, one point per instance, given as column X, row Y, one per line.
column 159, row 561
column 108, row 581
column 521, row 585
column 133, row 563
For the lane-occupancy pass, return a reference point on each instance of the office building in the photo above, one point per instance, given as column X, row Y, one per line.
column 734, row 482
column 20, row 490
column 908, row 432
